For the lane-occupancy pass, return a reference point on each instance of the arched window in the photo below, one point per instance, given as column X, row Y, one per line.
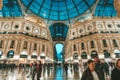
column 25, row 45
column 115, row 43
column 104, row 43
column 1, row 43
column 74, row 48
column 82, row 46
column 43, row 48
column 35, row 46
column 12, row 44
column 92, row 44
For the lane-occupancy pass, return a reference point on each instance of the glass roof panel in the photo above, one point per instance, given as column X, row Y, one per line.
column 58, row 30
column 10, row 8
column 105, row 8
column 59, row 8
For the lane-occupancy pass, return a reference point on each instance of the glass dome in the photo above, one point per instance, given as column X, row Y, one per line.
column 105, row 8
column 58, row 10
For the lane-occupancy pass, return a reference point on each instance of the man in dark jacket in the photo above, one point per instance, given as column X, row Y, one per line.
column 39, row 70
column 116, row 71
column 65, row 67
column 90, row 73
column 99, row 67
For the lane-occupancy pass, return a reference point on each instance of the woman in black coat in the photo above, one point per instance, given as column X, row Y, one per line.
column 116, row 71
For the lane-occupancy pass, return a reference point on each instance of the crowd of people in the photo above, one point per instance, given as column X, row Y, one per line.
column 93, row 69
column 35, row 70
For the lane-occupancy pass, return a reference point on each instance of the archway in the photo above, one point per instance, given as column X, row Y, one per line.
column 75, row 56
column 10, row 54
column 94, row 54
column 106, row 54
column 58, row 33
column 59, row 54
column 23, row 57
column 84, row 55
column 117, row 53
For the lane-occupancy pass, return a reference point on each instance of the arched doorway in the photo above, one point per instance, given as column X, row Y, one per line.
column 58, row 33
column 1, row 52
column 33, row 57
column 10, row 54
column 117, row 53
column 75, row 56
column 94, row 54
column 59, row 54
column 23, row 57
column 106, row 54
column 84, row 55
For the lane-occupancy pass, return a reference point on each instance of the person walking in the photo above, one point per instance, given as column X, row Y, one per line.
column 34, row 70
column 39, row 70
column 99, row 67
column 115, row 75
column 66, row 68
column 90, row 73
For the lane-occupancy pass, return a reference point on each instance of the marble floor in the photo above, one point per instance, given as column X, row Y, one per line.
column 53, row 74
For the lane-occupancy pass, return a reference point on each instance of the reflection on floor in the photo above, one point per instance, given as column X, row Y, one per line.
column 57, row 73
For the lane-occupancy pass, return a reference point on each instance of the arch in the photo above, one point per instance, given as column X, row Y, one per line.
column 58, row 52
column 1, row 52
column 84, row 55
column 117, row 53
column 10, row 54
column 42, row 55
column 23, row 54
column 94, row 54
column 106, row 54
column 34, row 55
column 75, row 56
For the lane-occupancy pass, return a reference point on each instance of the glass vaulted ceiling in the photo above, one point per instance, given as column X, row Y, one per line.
column 10, row 8
column 105, row 8
column 58, row 9
column 58, row 31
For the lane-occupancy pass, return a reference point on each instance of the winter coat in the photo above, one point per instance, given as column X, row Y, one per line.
column 115, row 74
column 87, row 75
